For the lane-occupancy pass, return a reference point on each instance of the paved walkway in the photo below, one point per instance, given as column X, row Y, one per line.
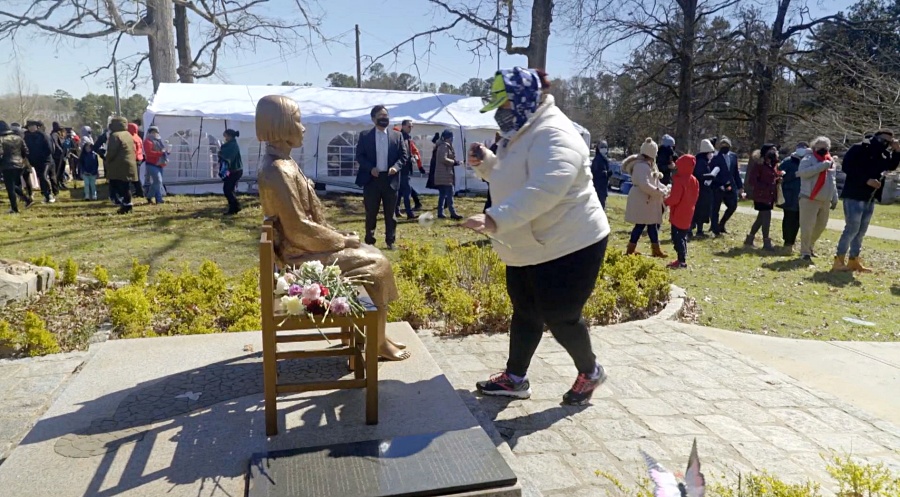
column 27, row 388
column 668, row 384
column 834, row 224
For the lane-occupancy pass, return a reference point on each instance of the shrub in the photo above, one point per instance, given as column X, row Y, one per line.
column 38, row 341
column 45, row 261
column 242, row 311
column 102, row 276
column 412, row 306
column 854, row 479
column 196, row 302
column 129, row 311
column 9, row 339
column 465, row 287
column 70, row 272
column 139, row 273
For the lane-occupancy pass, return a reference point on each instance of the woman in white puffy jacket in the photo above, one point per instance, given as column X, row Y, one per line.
column 548, row 227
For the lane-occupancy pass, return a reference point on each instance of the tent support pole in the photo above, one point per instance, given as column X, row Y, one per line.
column 199, row 142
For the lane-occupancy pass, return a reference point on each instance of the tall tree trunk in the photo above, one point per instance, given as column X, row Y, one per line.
column 541, row 17
column 183, row 45
column 763, row 104
column 161, row 42
column 686, row 76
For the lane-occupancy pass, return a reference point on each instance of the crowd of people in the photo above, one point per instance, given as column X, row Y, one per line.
column 803, row 185
column 32, row 159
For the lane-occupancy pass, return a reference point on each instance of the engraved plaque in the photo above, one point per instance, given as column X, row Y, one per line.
column 410, row 466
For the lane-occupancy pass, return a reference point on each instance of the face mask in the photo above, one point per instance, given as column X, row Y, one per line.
column 822, row 151
column 725, row 150
column 506, row 120
column 383, row 122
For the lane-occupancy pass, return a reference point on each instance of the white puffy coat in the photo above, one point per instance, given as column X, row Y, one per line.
column 544, row 202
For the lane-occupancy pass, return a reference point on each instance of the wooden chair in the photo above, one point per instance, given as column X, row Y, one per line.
column 358, row 337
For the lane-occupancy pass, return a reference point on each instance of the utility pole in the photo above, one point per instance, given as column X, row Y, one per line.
column 116, row 85
column 358, row 61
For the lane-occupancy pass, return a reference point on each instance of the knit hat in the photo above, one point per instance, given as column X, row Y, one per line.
column 724, row 142
column 649, row 148
column 668, row 141
column 706, row 146
column 4, row 128
column 153, row 129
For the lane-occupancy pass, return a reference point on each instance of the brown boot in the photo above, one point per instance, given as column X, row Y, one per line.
column 839, row 264
column 657, row 252
column 856, row 265
column 632, row 249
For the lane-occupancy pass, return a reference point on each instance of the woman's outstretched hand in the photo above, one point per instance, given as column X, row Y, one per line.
column 481, row 223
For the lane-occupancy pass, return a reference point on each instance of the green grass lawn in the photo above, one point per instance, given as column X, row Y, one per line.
column 734, row 288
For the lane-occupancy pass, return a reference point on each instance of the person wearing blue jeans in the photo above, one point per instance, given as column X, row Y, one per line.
column 155, row 159
column 865, row 164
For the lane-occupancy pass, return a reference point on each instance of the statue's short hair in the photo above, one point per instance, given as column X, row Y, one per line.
column 278, row 121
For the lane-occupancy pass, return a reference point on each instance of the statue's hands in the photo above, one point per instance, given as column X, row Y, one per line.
column 351, row 241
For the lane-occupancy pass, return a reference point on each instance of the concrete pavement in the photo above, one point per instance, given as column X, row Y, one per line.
column 834, row 224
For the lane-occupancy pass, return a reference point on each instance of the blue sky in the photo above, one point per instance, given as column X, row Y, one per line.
column 382, row 22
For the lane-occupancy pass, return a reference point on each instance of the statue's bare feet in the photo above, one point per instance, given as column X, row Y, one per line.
column 399, row 345
column 389, row 352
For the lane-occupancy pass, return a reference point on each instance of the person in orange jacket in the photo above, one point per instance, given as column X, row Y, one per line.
column 681, row 201
column 139, row 155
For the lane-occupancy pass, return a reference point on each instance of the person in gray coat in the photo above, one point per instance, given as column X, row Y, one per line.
column 445, row 174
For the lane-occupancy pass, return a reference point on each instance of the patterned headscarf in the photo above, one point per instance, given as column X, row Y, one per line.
column 523, row 89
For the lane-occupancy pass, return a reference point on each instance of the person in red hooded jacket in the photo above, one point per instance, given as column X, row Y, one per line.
column 139, row 155
column 681, row 201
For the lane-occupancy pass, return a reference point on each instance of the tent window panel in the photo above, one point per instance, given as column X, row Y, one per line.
column 182, row 146
column 341, row 153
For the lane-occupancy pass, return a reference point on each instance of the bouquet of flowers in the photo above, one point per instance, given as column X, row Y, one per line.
column 313, row 289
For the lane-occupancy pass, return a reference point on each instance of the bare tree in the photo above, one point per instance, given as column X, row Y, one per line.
column 238, row 24
column 24, row 99
column 482, row 25
column 675, row 27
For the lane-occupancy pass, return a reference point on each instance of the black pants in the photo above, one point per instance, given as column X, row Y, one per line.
column 45, row 178
column 680, row 241
column 652, row 232
column 12, row 179
column 553, row 293
column 60, row 170
column 790, row 226
column 122, row 191
column 764, row 221
column 228, row 188
column 730, row 200
column 379, row 194
column 26, row 183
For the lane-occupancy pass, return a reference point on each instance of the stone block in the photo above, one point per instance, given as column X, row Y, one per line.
column 546, row 470
column 727, row 428
column 672, row 425
column 20, row 280
column 648, row 407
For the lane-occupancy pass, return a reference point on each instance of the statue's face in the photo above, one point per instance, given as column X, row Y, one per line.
column 296, row 138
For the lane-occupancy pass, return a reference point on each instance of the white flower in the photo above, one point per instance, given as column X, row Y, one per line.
column 281, row 286
column 311, row 292
column 426, row 220
column 333, row 270
column 292, row 305
column 315, row 266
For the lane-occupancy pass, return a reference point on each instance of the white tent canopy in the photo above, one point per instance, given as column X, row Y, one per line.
column 192, row 118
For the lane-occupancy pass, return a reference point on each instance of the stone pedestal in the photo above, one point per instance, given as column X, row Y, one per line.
column 20, row 280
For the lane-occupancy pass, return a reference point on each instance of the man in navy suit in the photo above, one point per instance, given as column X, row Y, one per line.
column 381, row 154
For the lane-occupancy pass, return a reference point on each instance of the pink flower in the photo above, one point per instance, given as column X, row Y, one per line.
column 312, row 291
column 340, row 306
column 290, row 278
column 295, row 290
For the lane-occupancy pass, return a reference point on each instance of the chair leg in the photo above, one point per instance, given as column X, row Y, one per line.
column 270, row 382
column 372, row 335
column 349, row 341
